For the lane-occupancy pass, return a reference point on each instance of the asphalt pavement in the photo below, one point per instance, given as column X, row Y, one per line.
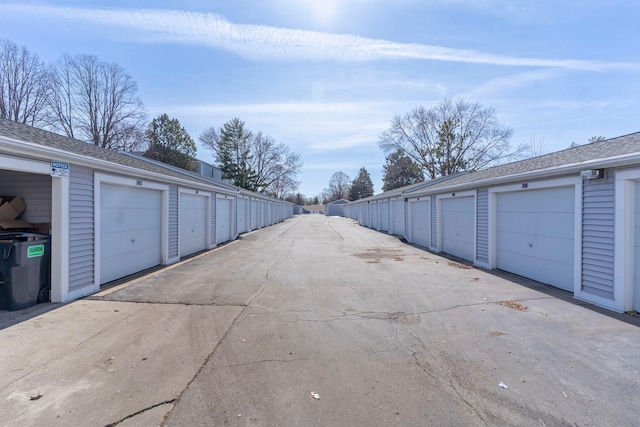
column 317, row 321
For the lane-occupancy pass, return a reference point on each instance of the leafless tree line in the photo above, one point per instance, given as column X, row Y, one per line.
column 95, row 101
column 80, row 96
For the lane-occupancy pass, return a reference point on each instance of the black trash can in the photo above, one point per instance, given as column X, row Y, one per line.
column 24, row 269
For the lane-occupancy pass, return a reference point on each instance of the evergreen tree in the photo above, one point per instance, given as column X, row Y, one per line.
column 231, row 144
column 362, row 186
column 170, row 143
column 400, row 171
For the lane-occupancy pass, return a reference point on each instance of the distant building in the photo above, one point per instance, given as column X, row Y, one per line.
column 335, row 208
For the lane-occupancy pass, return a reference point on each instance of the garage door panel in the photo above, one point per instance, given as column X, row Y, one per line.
column 544, row 271
column 459, row 205
column 113, row 219
column 545, row 200
column 558, row 249
column 543, row 224
column 130, row 242
column 114, row 196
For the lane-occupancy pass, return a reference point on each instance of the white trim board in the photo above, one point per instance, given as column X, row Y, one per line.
column 98, row 179
column 541, row 185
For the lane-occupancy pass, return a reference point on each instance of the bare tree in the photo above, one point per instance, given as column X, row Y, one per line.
column 450, row 137
column 96, row 101
column 535, row 147
column 24, row 85
column 271, row 167
column 275, row 164
column 339, row 187
column 598, row 138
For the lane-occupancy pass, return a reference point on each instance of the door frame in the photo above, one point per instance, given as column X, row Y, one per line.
column 411, row 202
column 624, row 232
column 98, row 179
column 457, row 195
column 576, row 182
column 200, row 193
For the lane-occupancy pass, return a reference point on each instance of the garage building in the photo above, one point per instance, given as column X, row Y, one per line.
column 113, row 214
column 569, row 219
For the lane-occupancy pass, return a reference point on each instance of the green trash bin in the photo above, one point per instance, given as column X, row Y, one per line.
column 24, row 269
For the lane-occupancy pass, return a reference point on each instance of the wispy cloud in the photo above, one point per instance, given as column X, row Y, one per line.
column 313, row 126
column 508, row 84
column 258, row 42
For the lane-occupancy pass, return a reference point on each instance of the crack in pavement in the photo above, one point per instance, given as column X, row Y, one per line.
column 128, row 417
column 450, row 383
column 176, row 401
column 262, row 361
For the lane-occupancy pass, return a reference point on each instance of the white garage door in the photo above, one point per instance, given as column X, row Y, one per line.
column 242, row 215
column 636, row 287
column 193, row 223
column 421, row 222
column 254, row 215
column 223, row 220
column 373, row 207
column 263, row 214
column 535, row 231
column 130, row 230
column 397, row 207
column 384, row 216
column 457, row 226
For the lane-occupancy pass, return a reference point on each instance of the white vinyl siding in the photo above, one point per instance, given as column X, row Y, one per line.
column 212, row 219
column 81, row 230
column 535, row 235
column 482, row 226
column 130, row 230
column 598, row 242
column 458, row 226
column 434, row 222
column 173, row 222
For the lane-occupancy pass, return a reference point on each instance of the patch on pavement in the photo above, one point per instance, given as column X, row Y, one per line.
column 375, row 255
column 513, row 304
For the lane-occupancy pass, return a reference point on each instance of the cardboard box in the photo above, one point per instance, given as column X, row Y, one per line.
column 41, row 227
column 11, row 207
column 15, row 225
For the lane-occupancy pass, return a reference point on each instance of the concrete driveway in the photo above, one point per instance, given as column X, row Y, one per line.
column 320, row 322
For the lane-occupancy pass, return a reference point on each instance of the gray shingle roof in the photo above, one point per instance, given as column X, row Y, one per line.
column 22, row 132
column 614, row 147
column 620, row 146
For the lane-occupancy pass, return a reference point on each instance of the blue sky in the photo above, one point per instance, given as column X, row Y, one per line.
column 327, row 76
